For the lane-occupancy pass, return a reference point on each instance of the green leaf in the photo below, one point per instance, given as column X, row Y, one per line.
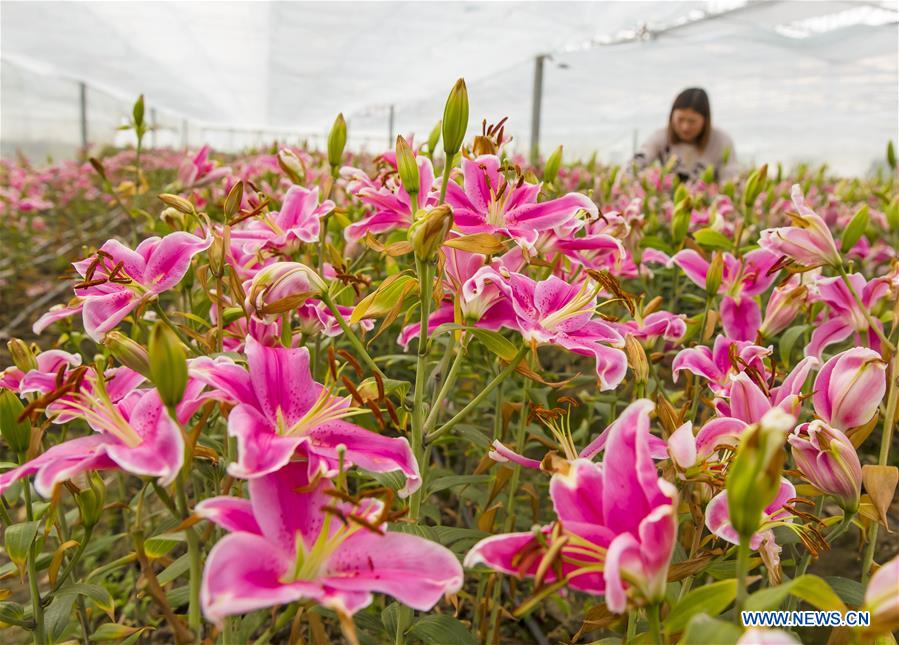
column 711, row 599
column 18, row 540
column 99, row 595
column 852, row 592
column 654, row 242
column 855, row 229
column 115, row 632
column 788, row 340
column 57, row 617
column 442, row 483
column 712, row 239
column 810, row 588
column 158, row 545
column 496, row 343
column 441, row 629
column 421, row 530
column 704, row 629
column 390, row 617
column 174, row 570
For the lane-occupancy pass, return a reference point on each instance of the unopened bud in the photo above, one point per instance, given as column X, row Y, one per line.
column 128, row 352
column 91, row 500
column 98, row 167
column 291, row 165
column 755, row 474
column 636, row 358
column 282, row 287
column 430, row 230
column 755, row 185
column 336, row 144
column 715, row 275
column 218, row 252
column 178, row 203
column 407, row 167
column 434, row 137
column 22, row 356
column 138, row 111
column 168, row 364
column 233, row 200
column 551, row 168
column 17, row 434
column 455, row 119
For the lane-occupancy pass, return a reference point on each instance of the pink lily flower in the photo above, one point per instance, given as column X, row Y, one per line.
column 741, row 281
column 198, row 170
column 716, row 365
column 717, row 520
column 487, row 203
column 826, row 458
column 750, row 400
column 808, row 242
column 616, row 525
column 689, row 452
column 882, row 598
column 49, row 362
column 118, row 280
column 658, row 324
column 786, row 302
column 135, row 435
column 849, row 388
column 393, row 206
column 281, row 410
column 845, row 317
column 288, row 543
column 298, row 221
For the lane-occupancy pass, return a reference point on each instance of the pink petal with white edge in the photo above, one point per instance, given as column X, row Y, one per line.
column 170, row 260
column 281, row 380
column 102, row 314
column 415, row 571
column 747, row 402
column 231, row 513
column 260, row 450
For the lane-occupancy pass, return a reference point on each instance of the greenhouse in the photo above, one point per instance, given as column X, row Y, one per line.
column 449, row 322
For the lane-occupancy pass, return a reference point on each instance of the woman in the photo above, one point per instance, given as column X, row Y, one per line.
column 690, row 138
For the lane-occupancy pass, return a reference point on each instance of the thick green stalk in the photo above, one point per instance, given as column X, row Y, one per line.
column 351, row 336
column 655, row 627
column 499, row 378
column 193, row 550
column 425, row 272
column 37, row 608
column 447, row 168
column 447, row 385
column 742, row 573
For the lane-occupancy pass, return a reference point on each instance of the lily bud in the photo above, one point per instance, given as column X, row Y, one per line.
column 336, row 143
column 233, row 200
column 850, row 387
column 714, row 276
column 178, row 203
column 636, row 358
column 455, row 119
column 754, row 477
column 783, row 306
column 826, row 458
column 17, row 434
column 430, row 230
column 434, row 138
column 91, row 500
column 551, row 168
column 218, row 252
column 168, row 364
column 128, row 352
column 291, row 165
column 407, row 167
column 282, row 287
column 755, row 185
column 22, row 356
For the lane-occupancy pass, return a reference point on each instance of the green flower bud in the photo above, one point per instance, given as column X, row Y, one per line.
column 455, row 119
column 430, row 230
column 168, row 364
column 336, row 144
column 17, row 434
column 218, row 252
column 407, row 167
column 91, row 500
column 291, row 165
column 891, row 154
column 434, row 137
column 754, row 476
column 551, row 169
column 714, row 276
column 129, row 353
column 233, row 200
column 22, row 356
column 178, row 203
column 755, row 185
column 138, row 111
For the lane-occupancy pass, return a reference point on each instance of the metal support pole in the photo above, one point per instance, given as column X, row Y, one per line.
column 536, row 105
column 82, row 96
column 390, row 137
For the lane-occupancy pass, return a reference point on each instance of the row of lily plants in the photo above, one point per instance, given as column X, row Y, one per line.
column 437, row 394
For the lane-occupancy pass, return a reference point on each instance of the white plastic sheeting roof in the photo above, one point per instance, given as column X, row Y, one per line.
column 788, row 80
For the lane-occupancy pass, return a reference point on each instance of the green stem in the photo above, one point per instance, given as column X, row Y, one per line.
column 655, row 627
column 742, row 572
column 352, row 337
column 886, row 441
column 37, row 607
column 193, row 550
column 70, row 565
column 447, row 385
column 447, row 168
column 499, row 378
column 865, row 312
column 164, row 318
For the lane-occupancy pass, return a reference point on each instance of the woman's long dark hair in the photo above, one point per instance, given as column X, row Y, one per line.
column 692, row 98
